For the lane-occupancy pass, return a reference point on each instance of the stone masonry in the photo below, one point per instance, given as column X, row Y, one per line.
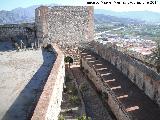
column 64, row 24
column 17, row 31
column 142, row 76
column 126, row 101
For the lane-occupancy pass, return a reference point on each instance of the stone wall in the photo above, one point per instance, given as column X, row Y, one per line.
column 116, row 106
column 48, row 106
column 65, row 24
column 17, row 31
column 141, row 75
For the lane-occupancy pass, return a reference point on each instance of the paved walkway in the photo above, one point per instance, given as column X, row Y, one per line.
column 22, row 76
column 93, row 104
column 134, row 100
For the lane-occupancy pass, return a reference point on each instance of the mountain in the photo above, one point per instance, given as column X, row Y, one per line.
column 101, row 18
column 147, row 16
column 21, row 15
column 18, row 15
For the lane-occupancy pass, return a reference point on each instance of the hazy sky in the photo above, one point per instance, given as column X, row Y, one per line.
column 11, row 4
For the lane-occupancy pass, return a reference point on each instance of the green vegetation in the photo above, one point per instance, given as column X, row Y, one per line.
column 145, row 31
column 61, row 117
column 74, row 100
column 72, row 91
column 84, row 118
column 84, row 87
column 68, row 59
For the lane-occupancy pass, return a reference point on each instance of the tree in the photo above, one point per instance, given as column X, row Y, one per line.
column 69, row 60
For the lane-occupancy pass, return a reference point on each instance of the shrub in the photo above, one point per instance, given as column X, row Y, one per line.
column 74, row 100
column 71, row 89
column 61, row 117
column 84, row 118
column 83, row 87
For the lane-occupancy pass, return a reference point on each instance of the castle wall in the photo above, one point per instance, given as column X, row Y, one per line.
column 16, row 31
column 116, row 106
column 41, row 22
column 48, row 106
column 67, row 24
column 141, row 75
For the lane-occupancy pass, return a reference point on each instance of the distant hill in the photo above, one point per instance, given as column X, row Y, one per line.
column 147, row 16
column 18, row 15
column 101, row 18
column 21, row 15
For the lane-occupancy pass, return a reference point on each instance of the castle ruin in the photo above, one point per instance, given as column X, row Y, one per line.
column 64, row 24
column 129, row 88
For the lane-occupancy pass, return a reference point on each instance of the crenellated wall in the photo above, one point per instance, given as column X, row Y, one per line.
column 141, row 75
column 48, row 106
column 116, row 106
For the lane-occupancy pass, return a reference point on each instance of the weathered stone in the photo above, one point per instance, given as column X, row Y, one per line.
column 66, row 24
column 141, row 75
column 16, row 32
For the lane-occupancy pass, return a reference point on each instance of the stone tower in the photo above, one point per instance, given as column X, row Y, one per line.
column 41, row 23
column 65, row 24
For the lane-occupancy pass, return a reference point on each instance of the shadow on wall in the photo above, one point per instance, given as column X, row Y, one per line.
column 24, row 105
column 13, row 43
column 6, row 46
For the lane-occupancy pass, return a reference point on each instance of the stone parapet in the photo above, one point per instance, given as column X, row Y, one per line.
column 141, row 75
column 48, row 106
column 116, row 106
column 126, row 101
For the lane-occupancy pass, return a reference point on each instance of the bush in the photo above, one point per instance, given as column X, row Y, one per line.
column 68, row 59
column 71, row 89
column 74, row 100
column 84, row 118
column 83, row 87
column 61, row 117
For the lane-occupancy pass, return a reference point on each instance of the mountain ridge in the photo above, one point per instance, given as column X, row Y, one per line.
column 147, row 16
column 21, row 15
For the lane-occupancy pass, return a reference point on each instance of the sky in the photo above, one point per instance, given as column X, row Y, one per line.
column 12, row 4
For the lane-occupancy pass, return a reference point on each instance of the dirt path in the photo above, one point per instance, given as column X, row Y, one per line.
column 93, row 104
